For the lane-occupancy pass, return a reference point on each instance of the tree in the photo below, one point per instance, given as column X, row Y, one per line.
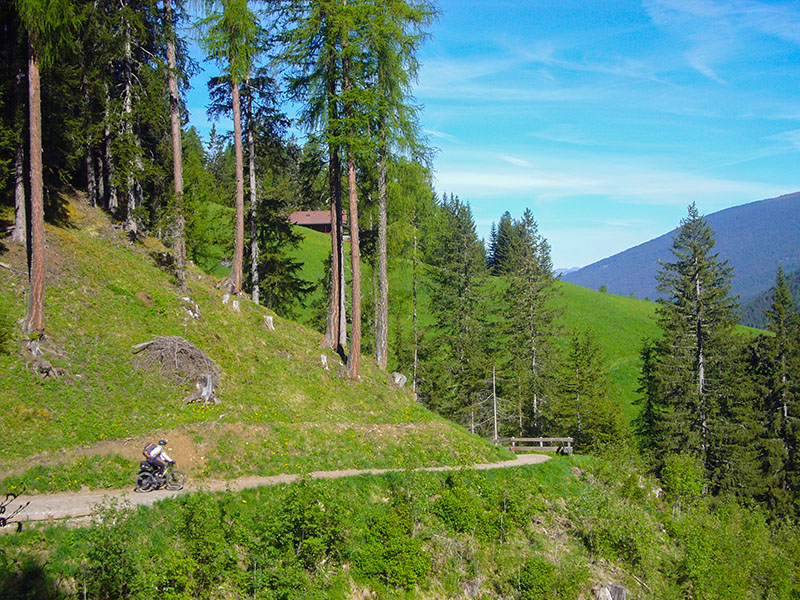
column 396, row 32
column 313, row 49
column 47, row 23
column 694, row 382
column 177, row 156
column 773, row 364
column 457, row 347
column 528, row 321
column 584, row 409
column 231, row 39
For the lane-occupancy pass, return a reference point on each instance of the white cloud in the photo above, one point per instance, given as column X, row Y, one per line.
column 519, row 162
column 441, row 135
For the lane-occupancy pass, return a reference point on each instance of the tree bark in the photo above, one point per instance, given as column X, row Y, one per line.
column 354, row 361
column 34, row 321
column 130, row 221
column 382, row 309
column 177, row 153
column 238, row 246
column 20, row 222
column 251, row 146
column 113, row 202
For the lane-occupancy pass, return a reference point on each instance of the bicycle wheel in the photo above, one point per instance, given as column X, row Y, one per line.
column 175, row 480
column 145, row 482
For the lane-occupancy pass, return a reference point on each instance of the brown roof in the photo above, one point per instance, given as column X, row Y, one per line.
column 312, row 217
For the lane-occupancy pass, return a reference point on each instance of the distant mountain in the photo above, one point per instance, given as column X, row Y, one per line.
column 562, row 272
column 754, row 238
column 753, row 310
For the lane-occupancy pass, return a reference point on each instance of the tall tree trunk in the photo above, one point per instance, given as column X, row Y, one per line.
column 382, row 309
column 414, row 316
column 130, row 220
column 177, row 153
column 354, row 361
column 334, row 190
column 34, row 321
column 112, row 202
column 20, row 225
column 251, row 146
column 99, row 177
column 238, row 246
column 91, row 189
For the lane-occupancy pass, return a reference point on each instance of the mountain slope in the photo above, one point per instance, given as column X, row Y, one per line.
column 753, row 311
column 280, row 410
column 754, row 238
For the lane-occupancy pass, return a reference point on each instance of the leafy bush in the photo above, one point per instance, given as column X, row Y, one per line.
column 391, row 555
column 684, row 478
column 309, row 522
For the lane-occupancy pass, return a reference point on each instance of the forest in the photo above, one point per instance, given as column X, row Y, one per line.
column 92, row 102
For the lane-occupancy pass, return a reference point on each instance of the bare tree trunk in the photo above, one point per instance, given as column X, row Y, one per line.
column 91, row 190
column 113, row 203
column 414, row 317
column 177, row 152
column 354, row 361
column 130, row 220
column 382, row 309
column 238, row 245
column 334, row 180
column 251, row 143
column 34, row 320
column 20, row 226
column 99, row 177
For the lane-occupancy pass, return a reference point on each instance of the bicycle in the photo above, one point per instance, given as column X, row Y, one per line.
column 148, row 479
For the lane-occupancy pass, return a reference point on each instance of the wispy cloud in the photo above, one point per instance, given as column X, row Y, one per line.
column 440, row 135
column 519, row 162
column 631, row 185
column 718, row 30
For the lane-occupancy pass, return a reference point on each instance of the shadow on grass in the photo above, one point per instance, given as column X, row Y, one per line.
column 26, row 580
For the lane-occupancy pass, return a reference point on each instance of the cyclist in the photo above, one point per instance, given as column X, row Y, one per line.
column 156, row 457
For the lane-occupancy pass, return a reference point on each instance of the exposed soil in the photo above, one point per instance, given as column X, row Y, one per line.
column 71, row 505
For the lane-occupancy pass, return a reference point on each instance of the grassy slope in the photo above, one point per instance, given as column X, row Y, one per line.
column 621, row 323
column 279, row 412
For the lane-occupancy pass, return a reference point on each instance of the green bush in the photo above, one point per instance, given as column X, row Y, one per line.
column 391, row 555
column 309, row 522
column 684, row 478
column 537, row 579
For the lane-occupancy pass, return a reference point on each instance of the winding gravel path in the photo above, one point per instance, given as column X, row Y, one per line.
column 71, row 505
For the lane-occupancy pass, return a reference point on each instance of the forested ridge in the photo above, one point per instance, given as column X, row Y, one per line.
column 104, row 176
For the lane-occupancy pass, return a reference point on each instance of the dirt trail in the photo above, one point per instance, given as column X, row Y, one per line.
column 71, row 505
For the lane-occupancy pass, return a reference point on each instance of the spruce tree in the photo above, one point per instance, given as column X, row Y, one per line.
column 457, row 348
column 696, row 398
column 528, row 323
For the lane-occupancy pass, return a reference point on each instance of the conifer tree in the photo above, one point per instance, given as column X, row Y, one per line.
column 231, row 39
column 583, row 408
column 528, row 322
column 457, row 345
column 48, row 24
column 696, row 397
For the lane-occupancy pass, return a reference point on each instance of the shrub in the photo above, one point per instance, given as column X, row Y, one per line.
column 391, row 555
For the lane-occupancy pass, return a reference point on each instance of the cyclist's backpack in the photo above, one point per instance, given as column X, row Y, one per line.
column 149, row 449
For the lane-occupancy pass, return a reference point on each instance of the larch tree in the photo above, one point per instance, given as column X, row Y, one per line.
column 48, row 24
column 177, row 155
column 397, row 30
column 230, row 37
column 313, row 43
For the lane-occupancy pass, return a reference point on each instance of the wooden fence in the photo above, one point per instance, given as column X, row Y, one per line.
column 519, row 444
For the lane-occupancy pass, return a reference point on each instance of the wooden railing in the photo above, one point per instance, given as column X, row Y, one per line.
column 520, row 444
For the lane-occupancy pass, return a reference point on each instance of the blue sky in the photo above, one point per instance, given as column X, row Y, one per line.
column 608, row 118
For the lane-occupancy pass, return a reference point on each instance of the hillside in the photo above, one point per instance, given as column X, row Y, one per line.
column 280, row 411
column 753, row 311
column 754, row 238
